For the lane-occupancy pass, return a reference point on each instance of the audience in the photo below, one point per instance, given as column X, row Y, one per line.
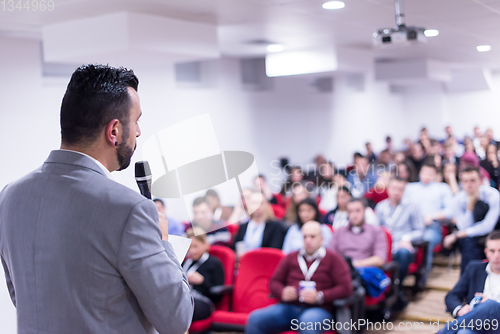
column 307, row 210
column 476, row 211
column 481, row 279
column 262, row 230
column 404, row 222
column 203, row 272
column 414, row 191
column 433, row 200
column 306, row 281
column 217, row 233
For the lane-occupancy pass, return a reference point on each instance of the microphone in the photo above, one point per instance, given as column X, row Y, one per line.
column 143, row 178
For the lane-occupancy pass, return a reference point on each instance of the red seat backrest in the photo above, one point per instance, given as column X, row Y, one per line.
column 228, row 259
column 278, row 211
column 251, row 286
column 232, row 228
column 388, row 236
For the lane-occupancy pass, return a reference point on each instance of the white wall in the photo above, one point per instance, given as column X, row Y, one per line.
column 290, row 120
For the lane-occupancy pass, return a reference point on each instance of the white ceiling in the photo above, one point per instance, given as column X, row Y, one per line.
column 463, row 24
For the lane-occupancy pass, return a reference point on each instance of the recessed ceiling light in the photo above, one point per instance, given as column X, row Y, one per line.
column 431, row 33
column 333, row 5
column 275, row 48
column 483, row 48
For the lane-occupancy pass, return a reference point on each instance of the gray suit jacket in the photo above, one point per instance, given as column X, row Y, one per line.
column 83, row 254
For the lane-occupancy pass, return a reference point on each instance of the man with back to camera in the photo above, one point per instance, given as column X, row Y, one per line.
column 104, row 265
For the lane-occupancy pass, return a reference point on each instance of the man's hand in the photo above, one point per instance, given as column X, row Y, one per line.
column 449, row 240
column 472, row 201
column 483, row 297
column 428, row 220
column 195, row 278
column 289, row 294
column 406, row 244
column 163, row 222
column 308, row 296
column 464, row 310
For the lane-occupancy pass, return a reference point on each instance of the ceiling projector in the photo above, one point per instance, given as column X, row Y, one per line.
column 400, row 36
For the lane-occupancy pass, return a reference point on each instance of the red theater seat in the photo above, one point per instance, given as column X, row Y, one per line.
column 228, row 259
column 251, row 289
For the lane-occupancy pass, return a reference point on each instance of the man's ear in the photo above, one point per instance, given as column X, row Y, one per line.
column 113, row 132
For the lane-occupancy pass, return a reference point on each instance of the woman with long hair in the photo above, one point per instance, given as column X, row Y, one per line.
column 307, row 210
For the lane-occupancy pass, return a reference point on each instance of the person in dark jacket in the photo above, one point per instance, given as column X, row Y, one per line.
column 262, row 230
column 203, row 272
column 479, row 278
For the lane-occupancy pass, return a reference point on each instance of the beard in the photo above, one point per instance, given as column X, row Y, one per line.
column 124, row 152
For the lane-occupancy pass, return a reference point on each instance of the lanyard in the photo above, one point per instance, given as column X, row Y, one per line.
column 195, row 267
column 308, row 273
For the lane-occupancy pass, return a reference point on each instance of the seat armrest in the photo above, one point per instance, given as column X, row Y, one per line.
column 356, row 296
column 221, row 289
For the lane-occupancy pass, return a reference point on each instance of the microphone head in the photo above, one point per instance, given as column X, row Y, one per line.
column 142, row 171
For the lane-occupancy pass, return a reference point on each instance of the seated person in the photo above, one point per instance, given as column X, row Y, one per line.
column 261, row 230
column 220, row 212
column 481, row 279
column 362, row 177
column 405, row 223
column 299, row 193
column 338, row 216
column 307, row 210
column 476, row 210
column 175, row 227
column 434, row 201
column 365, row 244
column 217, row 233
column 326, row 275
column 203, row 272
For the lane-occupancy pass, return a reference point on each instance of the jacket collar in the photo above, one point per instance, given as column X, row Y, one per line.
column 74, row 158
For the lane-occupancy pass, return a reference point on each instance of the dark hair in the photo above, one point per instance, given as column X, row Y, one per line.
column 159, row 201
column 212, row 193
column 495, row 235
column 199, row 201
column 361, row 200
column 311, row 202
column 429, row 164
column 357, row 155
column 344, row 189
column 397, row 178
column 469, row 169
column 96, row 94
